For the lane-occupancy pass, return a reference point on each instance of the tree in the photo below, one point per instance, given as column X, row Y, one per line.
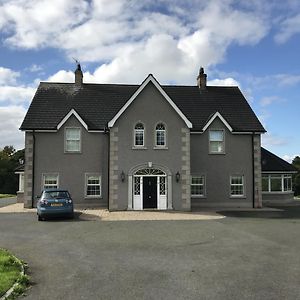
column 296, row 164
column 9, row 161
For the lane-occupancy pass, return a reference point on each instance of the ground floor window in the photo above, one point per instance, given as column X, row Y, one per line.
column 50, row 181
column 237, row 186
column 197, row 186
column 277, row 183
column 93, row 185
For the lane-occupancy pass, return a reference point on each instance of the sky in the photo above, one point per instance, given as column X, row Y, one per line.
column 253, row 44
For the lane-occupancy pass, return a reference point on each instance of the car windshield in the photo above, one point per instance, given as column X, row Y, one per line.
column 55, row 195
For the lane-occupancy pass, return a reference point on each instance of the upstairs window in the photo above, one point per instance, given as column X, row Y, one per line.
column 139, row 133
column 160, row 135
column 216, row 141
column 72, row 140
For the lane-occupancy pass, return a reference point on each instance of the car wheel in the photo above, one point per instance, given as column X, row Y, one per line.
column 40, row 218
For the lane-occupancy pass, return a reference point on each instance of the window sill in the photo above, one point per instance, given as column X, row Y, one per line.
column 160, row 148
column 93, row 197
column 72, row 152
column 238, row 197
column 278, row 192
column 139, row 148
column 217, row 153
column 198, row 196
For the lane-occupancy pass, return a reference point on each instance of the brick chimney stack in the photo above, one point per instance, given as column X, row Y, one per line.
column 201, row 79
column 78, row 75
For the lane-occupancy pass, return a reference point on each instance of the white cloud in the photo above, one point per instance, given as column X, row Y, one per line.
column 223, row 82
column 8, row 76
column 268, row 100
column 16, row 94
column 37, row 23
column 35, row 68
column 269, row 139
column 289, row 158
column 11, row 118
column 288, row 28
column 62, row 76
column 134, row 39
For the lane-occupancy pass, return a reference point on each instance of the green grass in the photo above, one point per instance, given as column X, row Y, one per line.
column 6, row 196
column 10, row 272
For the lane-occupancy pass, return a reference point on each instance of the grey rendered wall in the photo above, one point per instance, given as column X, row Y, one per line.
column 150, row 107
column 277, row 198
column 50, row 158
column 217, row 168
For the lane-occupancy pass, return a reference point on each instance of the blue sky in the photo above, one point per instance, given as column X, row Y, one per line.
column 254, row 44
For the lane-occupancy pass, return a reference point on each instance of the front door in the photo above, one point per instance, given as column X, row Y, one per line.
column 149, row 192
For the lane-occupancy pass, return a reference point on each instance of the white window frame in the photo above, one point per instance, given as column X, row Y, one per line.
column 165, row 135
column 198, row 184
column 223, row 141
column 51, row 186
column 135, row 132
column 280, row 176
column 66, row 147
column 87, row 175
column 238, row 184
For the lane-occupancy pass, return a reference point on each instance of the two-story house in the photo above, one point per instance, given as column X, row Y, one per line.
column 147, row 146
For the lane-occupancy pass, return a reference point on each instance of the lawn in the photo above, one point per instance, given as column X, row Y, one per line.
column 10, row 272
column 6, row 196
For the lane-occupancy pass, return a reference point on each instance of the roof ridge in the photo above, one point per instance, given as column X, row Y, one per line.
column 89, row 83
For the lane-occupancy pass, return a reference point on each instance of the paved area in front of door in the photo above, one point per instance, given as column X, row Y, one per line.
column 244, row 256
column 154, row 215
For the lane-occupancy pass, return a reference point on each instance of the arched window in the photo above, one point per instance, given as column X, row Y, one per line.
column 160, row 135
column 139, row 135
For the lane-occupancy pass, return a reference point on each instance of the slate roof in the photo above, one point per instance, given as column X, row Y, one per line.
column 97, row 104
column 272, row 163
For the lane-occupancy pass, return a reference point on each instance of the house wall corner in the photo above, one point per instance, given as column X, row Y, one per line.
column 257, row 171
column 28, row 173
column 186, row 169
column 113, row 168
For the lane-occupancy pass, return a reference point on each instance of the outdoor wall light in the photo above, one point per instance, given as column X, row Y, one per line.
column 177, row 176
column 122, row 176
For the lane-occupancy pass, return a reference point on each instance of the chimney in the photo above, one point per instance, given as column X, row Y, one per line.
column 78, row 75
column 201, row 79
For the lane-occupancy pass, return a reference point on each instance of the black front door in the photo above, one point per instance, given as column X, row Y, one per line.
column 150, row 192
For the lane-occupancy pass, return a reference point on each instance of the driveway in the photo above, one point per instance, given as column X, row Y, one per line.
column 7, row 201
column 243, row 256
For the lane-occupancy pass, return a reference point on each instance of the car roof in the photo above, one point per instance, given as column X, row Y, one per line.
column 55, row 190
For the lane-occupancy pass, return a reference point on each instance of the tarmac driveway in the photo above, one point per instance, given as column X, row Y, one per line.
column 7, row 201
column 244, row 256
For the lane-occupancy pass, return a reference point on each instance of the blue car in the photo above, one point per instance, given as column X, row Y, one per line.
column 55, row 202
